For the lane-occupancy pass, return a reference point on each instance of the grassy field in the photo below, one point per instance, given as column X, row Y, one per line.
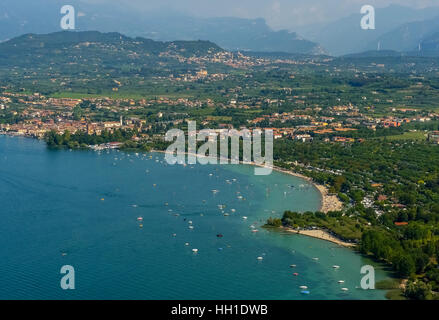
column 415, row 135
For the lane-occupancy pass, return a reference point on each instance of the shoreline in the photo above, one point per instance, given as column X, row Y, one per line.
column 320, row 234
column 327, row 203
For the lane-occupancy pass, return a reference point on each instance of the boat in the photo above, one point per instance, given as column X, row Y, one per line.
column 305, row 292
column 226, row 214
column 303, row 287
column 336, row 267
column 255, row 230
column 341, row 281
column 191, row 227
column 344, row 289
column 315, row 259
column 260, row 258
column 186, row 244
column 219, row 235
column 292, row 266
column 295, row 274
column 245, row 218
column 139, row 219
column 194, row 250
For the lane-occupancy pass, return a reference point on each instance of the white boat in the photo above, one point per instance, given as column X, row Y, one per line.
column 139, row 219
column 191, row 227
column 194, row 250
column 303, row 287
column 245, row 218
column 341, row 281
column 255, row 230
column 292, row 266
column 315, row 259
column 344, row 289
column 336, row 267
column 260, row 258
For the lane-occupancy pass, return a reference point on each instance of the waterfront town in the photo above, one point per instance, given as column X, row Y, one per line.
column 37, row 115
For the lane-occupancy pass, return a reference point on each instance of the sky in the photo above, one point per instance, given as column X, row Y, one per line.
column 279, row 14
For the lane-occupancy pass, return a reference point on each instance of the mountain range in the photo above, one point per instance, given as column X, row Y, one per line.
column 229, row 33
column 398, row 28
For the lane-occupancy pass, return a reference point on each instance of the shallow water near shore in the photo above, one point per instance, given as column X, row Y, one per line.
column 81, row 208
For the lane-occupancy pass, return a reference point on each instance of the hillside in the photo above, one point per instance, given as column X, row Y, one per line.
column 91, row 59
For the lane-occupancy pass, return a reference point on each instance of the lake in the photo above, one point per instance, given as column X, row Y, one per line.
column 82, row 208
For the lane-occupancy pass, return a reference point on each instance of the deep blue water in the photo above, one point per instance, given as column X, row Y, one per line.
column 80, row 208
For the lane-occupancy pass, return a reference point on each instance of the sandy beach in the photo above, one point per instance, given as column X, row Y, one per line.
column 320, row 234
column 329, row 202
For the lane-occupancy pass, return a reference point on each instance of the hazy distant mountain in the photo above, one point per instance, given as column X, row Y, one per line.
column 408, row 36
column 374, row 54
column 345, row 36
column 430, row 45
column 43, row 16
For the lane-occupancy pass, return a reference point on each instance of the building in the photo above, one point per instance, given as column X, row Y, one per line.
column 433, row 136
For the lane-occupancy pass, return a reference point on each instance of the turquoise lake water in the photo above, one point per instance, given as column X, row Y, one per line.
column 80, row 208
